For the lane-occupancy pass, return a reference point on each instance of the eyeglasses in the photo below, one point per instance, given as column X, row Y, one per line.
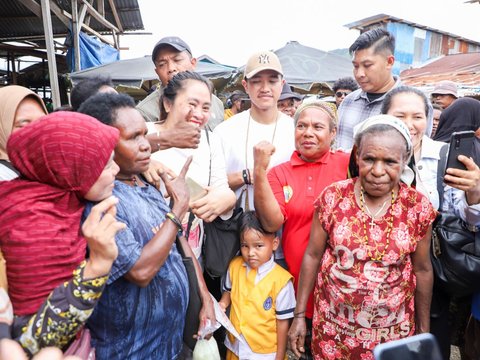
column 341, row 93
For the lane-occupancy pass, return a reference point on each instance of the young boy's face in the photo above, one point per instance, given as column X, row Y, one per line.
column 257, row 248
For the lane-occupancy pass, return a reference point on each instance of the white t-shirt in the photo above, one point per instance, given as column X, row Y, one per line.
column 238, row 139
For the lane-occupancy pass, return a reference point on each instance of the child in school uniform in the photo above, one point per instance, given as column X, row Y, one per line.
column 261, row 296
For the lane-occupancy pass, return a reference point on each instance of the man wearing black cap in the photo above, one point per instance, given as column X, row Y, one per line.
column 172, row 55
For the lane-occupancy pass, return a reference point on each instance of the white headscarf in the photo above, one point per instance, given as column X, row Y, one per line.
column 408, row 174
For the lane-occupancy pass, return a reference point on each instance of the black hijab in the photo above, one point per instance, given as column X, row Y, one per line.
column 463, row 114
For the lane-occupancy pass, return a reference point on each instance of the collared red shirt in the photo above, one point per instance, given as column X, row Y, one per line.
column 296, row 184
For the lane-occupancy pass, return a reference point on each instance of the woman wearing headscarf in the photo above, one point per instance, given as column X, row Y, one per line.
column 19, row 106
column 284, row 194
column 368, row 253
column 64, row 159
column 463, row 114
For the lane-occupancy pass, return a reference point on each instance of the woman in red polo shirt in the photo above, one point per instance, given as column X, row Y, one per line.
column 284, row 195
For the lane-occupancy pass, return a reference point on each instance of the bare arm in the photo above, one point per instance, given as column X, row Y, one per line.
column 266, row 204
column 183, row 135
column 235, row 180
column 226, row 300
column 156, row 251
column 207, row 311
column 308, row 273
column 422, row 267
column 282, row 330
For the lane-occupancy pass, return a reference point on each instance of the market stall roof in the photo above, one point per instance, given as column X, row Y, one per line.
column 136, row 76
column 307, row 69
column 463, row 69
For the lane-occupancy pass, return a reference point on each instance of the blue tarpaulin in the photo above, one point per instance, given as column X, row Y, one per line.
column 93, row 53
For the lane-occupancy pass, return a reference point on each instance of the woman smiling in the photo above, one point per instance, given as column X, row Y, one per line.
column 368, row 254
column 187, row 98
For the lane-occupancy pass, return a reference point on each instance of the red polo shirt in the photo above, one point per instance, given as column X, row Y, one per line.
column 296, row 184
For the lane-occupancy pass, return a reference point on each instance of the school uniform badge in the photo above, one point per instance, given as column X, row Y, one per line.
column 267, row 304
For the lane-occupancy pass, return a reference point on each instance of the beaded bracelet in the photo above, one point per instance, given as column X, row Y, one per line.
column 175, row 220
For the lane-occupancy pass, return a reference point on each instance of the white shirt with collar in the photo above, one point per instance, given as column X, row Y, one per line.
column 285, row 300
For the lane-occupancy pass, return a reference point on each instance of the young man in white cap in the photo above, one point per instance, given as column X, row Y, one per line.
column 172, row 55
column 445, row 93
column 263, row 82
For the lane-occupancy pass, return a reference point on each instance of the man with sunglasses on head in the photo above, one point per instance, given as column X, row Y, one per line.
column 342, row 87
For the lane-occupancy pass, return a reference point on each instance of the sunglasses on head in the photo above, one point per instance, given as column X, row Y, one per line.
column 341, row 93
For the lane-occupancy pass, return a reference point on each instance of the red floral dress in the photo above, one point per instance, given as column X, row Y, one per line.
column 360, row 302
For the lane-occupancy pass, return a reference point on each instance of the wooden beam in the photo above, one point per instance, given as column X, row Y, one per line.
column 101, row 7
column 33, row 6
column 83, row 12
column 75, row 31
column 91, row 10
column 52, row 64
column 61, row 14
column 115, row 14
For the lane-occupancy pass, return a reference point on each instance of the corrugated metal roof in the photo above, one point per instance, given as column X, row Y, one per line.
column 19, row 23
column 463, row 69
column 384, row 18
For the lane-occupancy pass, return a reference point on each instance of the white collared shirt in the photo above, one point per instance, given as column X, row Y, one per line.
column 285, row 301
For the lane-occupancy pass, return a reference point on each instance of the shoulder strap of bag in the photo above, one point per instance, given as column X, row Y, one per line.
column 210, row 164
column 442, row 162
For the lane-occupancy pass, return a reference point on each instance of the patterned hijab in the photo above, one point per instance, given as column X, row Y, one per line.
column 59, row 158
column 10, row 97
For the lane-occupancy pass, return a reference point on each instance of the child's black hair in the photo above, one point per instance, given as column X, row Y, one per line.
column 250, row 221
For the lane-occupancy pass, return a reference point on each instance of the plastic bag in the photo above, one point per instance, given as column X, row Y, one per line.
column 206, row 350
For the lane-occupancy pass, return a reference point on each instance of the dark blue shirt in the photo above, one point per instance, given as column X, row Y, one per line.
column 131, row 322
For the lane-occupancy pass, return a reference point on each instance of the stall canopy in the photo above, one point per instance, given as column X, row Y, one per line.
column 307, row 69
column 137, row 76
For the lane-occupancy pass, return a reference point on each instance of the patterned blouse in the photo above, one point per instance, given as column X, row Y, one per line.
column 359, row 301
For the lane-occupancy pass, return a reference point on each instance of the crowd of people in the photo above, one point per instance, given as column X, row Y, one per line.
column 103, row 200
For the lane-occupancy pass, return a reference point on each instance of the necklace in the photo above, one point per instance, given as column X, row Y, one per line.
column 363, row 206
column 246, row 150
column 372, row 216
column 132, row 181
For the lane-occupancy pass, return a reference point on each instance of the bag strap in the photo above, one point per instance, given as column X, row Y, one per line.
column 210, row 164
column 442, row 163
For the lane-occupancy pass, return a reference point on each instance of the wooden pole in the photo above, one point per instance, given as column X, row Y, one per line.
column 52, row 65
column 75, row 30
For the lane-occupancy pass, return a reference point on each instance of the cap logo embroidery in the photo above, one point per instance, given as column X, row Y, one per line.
column 263, row 59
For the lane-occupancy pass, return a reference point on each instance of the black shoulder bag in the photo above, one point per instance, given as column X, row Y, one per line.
column 192, row 320
column 221, row 239
column 455, row 250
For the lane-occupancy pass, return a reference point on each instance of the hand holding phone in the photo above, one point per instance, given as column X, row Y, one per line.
column 461, row 143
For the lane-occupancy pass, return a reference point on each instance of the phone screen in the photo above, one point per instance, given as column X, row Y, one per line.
column 417, row 347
